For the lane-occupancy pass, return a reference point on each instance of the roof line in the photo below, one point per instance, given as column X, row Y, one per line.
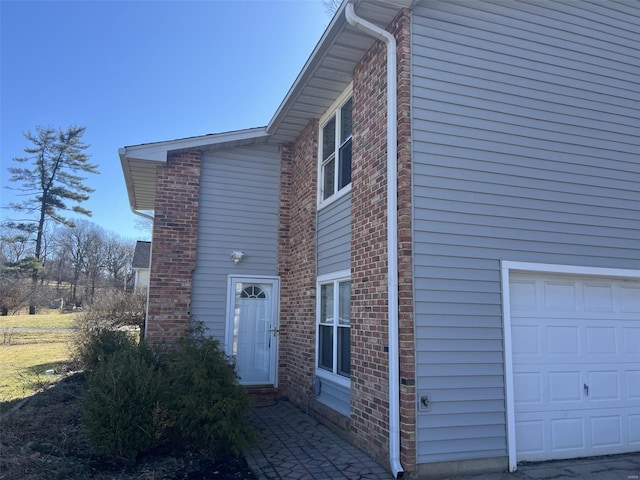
column 337, row 23
column 207, row 139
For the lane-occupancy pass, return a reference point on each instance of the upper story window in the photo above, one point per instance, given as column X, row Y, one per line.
column 335, row 149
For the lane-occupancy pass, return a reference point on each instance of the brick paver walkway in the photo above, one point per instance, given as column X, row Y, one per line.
column 294, row 446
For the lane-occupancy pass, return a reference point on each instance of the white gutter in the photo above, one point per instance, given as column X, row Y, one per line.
column 143, row 215
column 392, row 231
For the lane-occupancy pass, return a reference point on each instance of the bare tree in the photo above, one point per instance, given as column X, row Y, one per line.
column 118, row 259
column 94, row 261
column 80, row 245
column 16, row 267
column 144, row 225
column 14, row 244
column 331, row 6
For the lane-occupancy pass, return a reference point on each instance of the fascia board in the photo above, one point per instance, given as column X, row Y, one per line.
column 337, row 24
column 157, row 152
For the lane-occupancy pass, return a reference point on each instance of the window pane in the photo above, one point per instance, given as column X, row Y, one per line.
column 325, row 352
column 344, row 174
column 326, row 303
column 344, row 351
column 329, row 139
column 345, row 303
column 328, row 178
column 345, row 120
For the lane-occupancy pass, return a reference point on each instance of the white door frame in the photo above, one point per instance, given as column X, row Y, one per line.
column 506, row 268
column 229, row 319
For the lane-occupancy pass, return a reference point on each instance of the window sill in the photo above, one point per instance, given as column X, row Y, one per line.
column 330, row 377
column 334, row 198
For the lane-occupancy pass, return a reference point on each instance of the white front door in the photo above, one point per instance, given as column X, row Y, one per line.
column 576, row 365
column 252, row 328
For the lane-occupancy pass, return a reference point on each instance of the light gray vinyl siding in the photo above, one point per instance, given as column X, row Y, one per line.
column 239, row 201
column 336, row 396
column 334, row 255
column 334, row 236
column 525, row 148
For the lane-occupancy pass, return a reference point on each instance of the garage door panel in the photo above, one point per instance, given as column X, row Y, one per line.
column 559, row 296
column 565, row 387
column 563, row 341
column 632, row 378
column 530, row 437
column 598, row 297
column 526, row 340
column 630, row 299
column 606, row 431
column 601, row 340
column 633, row 423
column 575, row 353
column 527, row 388
column 631, row 341
column 603, row 386
column 567, row 434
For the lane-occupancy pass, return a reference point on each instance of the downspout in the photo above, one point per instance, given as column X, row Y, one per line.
column 146, row 308
column 392, row 230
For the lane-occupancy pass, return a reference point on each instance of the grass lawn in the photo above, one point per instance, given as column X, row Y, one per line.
column 49, row 319
column 26, row 356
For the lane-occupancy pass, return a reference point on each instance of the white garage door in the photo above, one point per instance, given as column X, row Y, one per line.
column 576, row 366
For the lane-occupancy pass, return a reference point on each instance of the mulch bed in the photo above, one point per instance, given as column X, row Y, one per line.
column 44, row 439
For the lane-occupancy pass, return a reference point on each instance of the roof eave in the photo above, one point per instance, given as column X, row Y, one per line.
column 139, row 162
column 282, row 126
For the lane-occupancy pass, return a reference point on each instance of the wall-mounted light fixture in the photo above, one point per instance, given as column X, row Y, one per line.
column 237, row 257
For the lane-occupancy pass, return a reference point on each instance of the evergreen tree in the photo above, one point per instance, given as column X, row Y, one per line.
column 51, row 179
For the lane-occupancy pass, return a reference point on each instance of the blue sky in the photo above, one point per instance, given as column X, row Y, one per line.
column 143, row 71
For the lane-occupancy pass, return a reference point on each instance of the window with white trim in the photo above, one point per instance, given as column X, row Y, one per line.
column 334, row 326
column 335, row 149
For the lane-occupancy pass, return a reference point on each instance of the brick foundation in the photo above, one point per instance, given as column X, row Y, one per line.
column 173, row 259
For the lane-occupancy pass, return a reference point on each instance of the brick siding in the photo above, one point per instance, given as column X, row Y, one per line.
column 368, row 426
column 402, row 29
column 369, row 311
column 173, row 257
column 297, row 267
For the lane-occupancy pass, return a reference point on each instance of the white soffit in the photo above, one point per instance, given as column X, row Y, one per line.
column 329, row 69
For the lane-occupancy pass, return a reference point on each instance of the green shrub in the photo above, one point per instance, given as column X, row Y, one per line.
column 91, row 347
column 136, row 396
column 204, row 397
column 121, row 411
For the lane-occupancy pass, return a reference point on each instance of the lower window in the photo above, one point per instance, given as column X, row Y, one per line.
column 334, row 326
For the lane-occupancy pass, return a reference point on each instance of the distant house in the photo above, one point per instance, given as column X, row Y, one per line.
column 434, row 245
column 141, row 265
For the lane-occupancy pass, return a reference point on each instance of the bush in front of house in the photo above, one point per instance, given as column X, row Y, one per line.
column 205, row 399
column 138, row 396
column 120, row 407
column 93, row 346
